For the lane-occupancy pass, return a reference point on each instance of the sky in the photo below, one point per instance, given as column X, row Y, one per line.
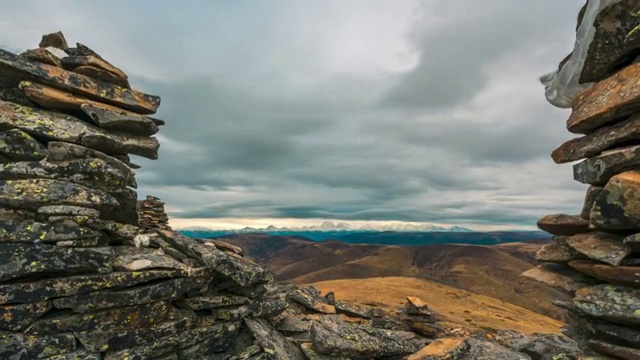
column 288, row 112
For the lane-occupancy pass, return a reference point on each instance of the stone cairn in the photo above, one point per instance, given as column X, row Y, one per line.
column 596, row 254
column 152, row 215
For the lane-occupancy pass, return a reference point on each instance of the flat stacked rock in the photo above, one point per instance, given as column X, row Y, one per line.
column 599, row 249
column 151, row 214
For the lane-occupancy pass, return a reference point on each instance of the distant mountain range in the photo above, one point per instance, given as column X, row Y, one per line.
column 331, row 226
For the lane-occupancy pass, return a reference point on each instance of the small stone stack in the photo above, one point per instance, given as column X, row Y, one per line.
column 151, row 214
column 596, row 254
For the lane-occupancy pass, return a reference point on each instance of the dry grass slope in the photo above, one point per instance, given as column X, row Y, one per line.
column 459, row 307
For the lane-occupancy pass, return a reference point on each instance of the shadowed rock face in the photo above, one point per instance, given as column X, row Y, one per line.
column 606, row 314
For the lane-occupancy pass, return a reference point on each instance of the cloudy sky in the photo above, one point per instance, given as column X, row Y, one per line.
column 292, row 111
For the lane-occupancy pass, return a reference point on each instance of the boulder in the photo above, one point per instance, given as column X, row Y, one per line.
column 620, row 352
column 604, row 138
column 73, row 62
column 25, row 347
column 16, row 317
column 589, row 200
column 600, row 246
column 616, row 206
column 621, row 275
column 562, row 224
column 43, row 55
column 555, row 253
column 32, row 194
column 55, row 40
column 119, row 120
column 599, row 169
column 272, row 341
column 337, row 338
column 559, row 277
column 16, row 145
column 103, row 75
column 609, row 100
column 612, row 303
column 607, row 50
column 20, row 260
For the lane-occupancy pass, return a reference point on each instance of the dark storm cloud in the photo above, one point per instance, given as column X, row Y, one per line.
column 355, row 110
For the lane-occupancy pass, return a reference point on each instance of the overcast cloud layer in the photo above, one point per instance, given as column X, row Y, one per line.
column 427, row 111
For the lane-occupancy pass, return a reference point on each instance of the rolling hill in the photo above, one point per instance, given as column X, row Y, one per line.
column 492, row 271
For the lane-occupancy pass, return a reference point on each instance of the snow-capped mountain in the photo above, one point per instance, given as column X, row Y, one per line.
column 331, row 226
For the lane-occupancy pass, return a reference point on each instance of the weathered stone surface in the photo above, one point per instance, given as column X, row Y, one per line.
column 355, row 310
column 16, row 145
column 611, row 303
column 81, row 243
column 225, row 246
column 13, row 67
column 620, row 334
column 119, row 120
column 614, row 98
column 29, row 231
column 68, row 210
column 243, row 272
column 333, row 337
column 73, row 62
column 272, row 341
column 621, row 275
column 34, row 193
column 235, row 313
column 125, row 213
column 221, row 335
column 633, row 241
column 55, row 40
column 309, row 299
column 106, row 116
column 616, row 208
column 42, row 55
column 136, row 259
column 19, row 260
column 165, row 290
column 63, row 151
column 312, row 354
column 606, row 137
column 123, row 339
column 56, row 126
column 559, row 276
column 555, row 253
column 77, row 355
column 121, row 318
column 600, row 246
column 589, row 199
column 102, row 75
column 607, row 48
column 212, row 301
column 562, row 224
column 16, row 317
column 17, row 346
column 445, row 348
column 599, row 169
column 15, row 95
column 93, row 173
column 621, row 352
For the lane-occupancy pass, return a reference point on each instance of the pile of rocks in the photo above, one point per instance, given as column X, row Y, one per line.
column 596, row 254
column 151, row 214
column 78, row 277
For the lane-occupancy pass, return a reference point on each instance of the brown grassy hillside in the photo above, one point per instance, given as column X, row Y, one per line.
column 460, row 308
column 488, row 270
